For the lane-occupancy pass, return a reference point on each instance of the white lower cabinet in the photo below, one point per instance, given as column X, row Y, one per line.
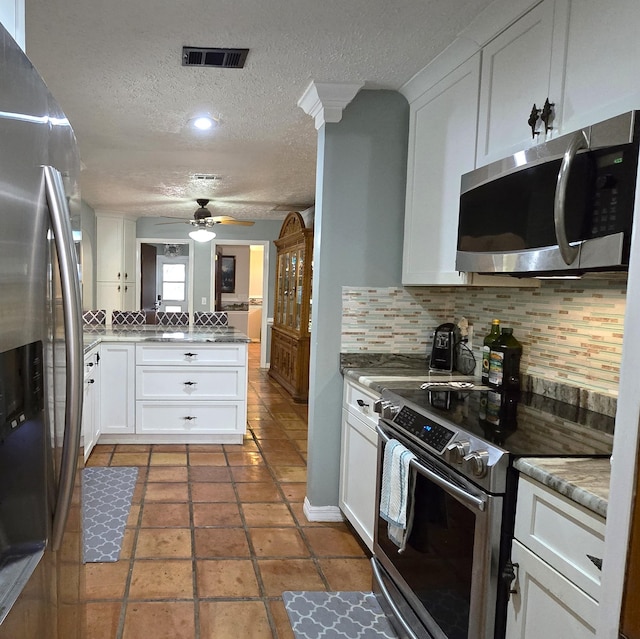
column 173, row 393
column 91, row 402
column 117, row 388
column 557, row 583
column 358, row 460
column 547, row 604
column 190, row 391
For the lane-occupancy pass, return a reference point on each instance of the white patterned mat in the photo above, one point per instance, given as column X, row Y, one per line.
column 106, row 501
column 336, row 615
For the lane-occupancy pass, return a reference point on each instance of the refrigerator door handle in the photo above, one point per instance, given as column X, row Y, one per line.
column 70, row 285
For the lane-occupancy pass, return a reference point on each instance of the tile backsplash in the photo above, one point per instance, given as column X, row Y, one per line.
column 571, row 330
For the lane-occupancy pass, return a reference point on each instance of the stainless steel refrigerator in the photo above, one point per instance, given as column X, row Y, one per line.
column 40, row 359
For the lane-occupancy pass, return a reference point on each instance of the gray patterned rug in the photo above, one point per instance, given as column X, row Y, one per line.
column 336, row 615
column 106, row 502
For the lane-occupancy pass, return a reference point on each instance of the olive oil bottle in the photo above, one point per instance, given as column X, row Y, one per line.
column 486, row 348
column 504, row 361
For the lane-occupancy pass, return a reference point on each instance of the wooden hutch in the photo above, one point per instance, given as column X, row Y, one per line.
column 290, row 335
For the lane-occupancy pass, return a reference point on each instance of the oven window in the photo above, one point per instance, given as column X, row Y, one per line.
column 437, row 561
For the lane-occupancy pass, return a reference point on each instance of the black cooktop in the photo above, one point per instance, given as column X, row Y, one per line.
column 523, row 424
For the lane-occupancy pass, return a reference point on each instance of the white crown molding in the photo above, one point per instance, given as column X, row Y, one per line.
column 325, row 101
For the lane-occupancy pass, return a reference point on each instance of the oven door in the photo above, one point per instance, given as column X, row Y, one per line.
column 445, row 581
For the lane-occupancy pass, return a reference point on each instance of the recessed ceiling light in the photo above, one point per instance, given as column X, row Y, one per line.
column 204, row 122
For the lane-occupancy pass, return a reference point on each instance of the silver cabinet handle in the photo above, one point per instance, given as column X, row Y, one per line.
column 569, row 253
column 70, row 285
column 191, row 354
column 189, row 418
column 190, row 383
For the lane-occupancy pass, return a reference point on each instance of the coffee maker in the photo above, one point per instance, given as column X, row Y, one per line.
column 443, row 348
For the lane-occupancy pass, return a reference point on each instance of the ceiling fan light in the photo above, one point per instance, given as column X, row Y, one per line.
column 202, row 235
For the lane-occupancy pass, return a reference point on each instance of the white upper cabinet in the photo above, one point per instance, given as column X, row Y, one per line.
column 442, row 137
column 116, row 249
column 522, row 66
column 12, row 19
column 601, row 72
column 116, row 264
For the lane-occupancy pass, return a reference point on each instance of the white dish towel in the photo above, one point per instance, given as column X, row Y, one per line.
column 396, row 491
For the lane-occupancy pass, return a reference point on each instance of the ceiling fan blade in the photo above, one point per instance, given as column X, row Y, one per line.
column 238, row 222
column 226, row 219
column 181, row 221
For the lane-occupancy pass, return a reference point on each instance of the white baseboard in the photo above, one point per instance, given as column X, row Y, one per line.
column 321, row 513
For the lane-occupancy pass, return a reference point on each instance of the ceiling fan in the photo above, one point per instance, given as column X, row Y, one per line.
column 203, row 220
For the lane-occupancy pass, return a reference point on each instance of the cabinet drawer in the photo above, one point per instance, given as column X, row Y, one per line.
column 190, row 354
column 359, row 401
column 183, row 382
column 183, row 418
column 561, row 532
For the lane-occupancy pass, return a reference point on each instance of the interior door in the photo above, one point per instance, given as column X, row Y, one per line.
column 148, row 287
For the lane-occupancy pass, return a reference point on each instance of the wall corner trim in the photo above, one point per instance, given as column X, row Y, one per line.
column 325, row 101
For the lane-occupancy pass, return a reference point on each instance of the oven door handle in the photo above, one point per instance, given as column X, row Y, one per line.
column 456, row 491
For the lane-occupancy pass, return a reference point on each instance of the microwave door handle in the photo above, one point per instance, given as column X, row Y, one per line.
column 70, row 288
column 569, row 253
column 452, row 489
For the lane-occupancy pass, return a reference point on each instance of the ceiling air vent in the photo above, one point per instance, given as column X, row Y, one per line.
column 221, row 58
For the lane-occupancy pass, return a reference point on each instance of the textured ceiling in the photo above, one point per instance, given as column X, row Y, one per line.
column 115, row 68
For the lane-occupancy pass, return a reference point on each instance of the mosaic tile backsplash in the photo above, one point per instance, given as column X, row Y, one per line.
column 571, row 331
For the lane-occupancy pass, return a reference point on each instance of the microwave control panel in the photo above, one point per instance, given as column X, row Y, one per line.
column 612, row 186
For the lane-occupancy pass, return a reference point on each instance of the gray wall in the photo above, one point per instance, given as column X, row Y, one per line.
column 359, row 213
column 262, row 230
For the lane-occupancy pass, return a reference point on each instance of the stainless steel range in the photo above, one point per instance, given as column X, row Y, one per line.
column 452, row 579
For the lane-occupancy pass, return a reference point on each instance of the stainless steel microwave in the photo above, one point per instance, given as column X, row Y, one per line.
column 562, row 207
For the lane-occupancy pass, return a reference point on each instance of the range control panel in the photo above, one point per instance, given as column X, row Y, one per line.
column 433, row 434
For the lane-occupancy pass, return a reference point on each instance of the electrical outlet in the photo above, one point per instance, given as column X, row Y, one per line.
column 204, row 301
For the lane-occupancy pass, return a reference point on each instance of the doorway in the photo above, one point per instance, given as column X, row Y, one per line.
column 166, row 276
column 256, row 287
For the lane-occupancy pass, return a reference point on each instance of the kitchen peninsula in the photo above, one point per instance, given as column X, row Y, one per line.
column 153, row 384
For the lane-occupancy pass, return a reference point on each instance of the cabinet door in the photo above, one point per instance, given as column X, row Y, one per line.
column 129, row 297
column 117, row 388
column 521, row 67
column 109, row 297
column 129, row 250
column 88, row 416
column 109, row 231
column 442, row 137
column 547, row 604
column 603, row 48
column 359, row 456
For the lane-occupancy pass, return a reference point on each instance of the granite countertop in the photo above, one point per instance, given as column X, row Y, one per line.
column 585, row 481
column 93, row 335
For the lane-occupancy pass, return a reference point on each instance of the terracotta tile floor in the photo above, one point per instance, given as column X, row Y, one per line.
column 217, row 533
